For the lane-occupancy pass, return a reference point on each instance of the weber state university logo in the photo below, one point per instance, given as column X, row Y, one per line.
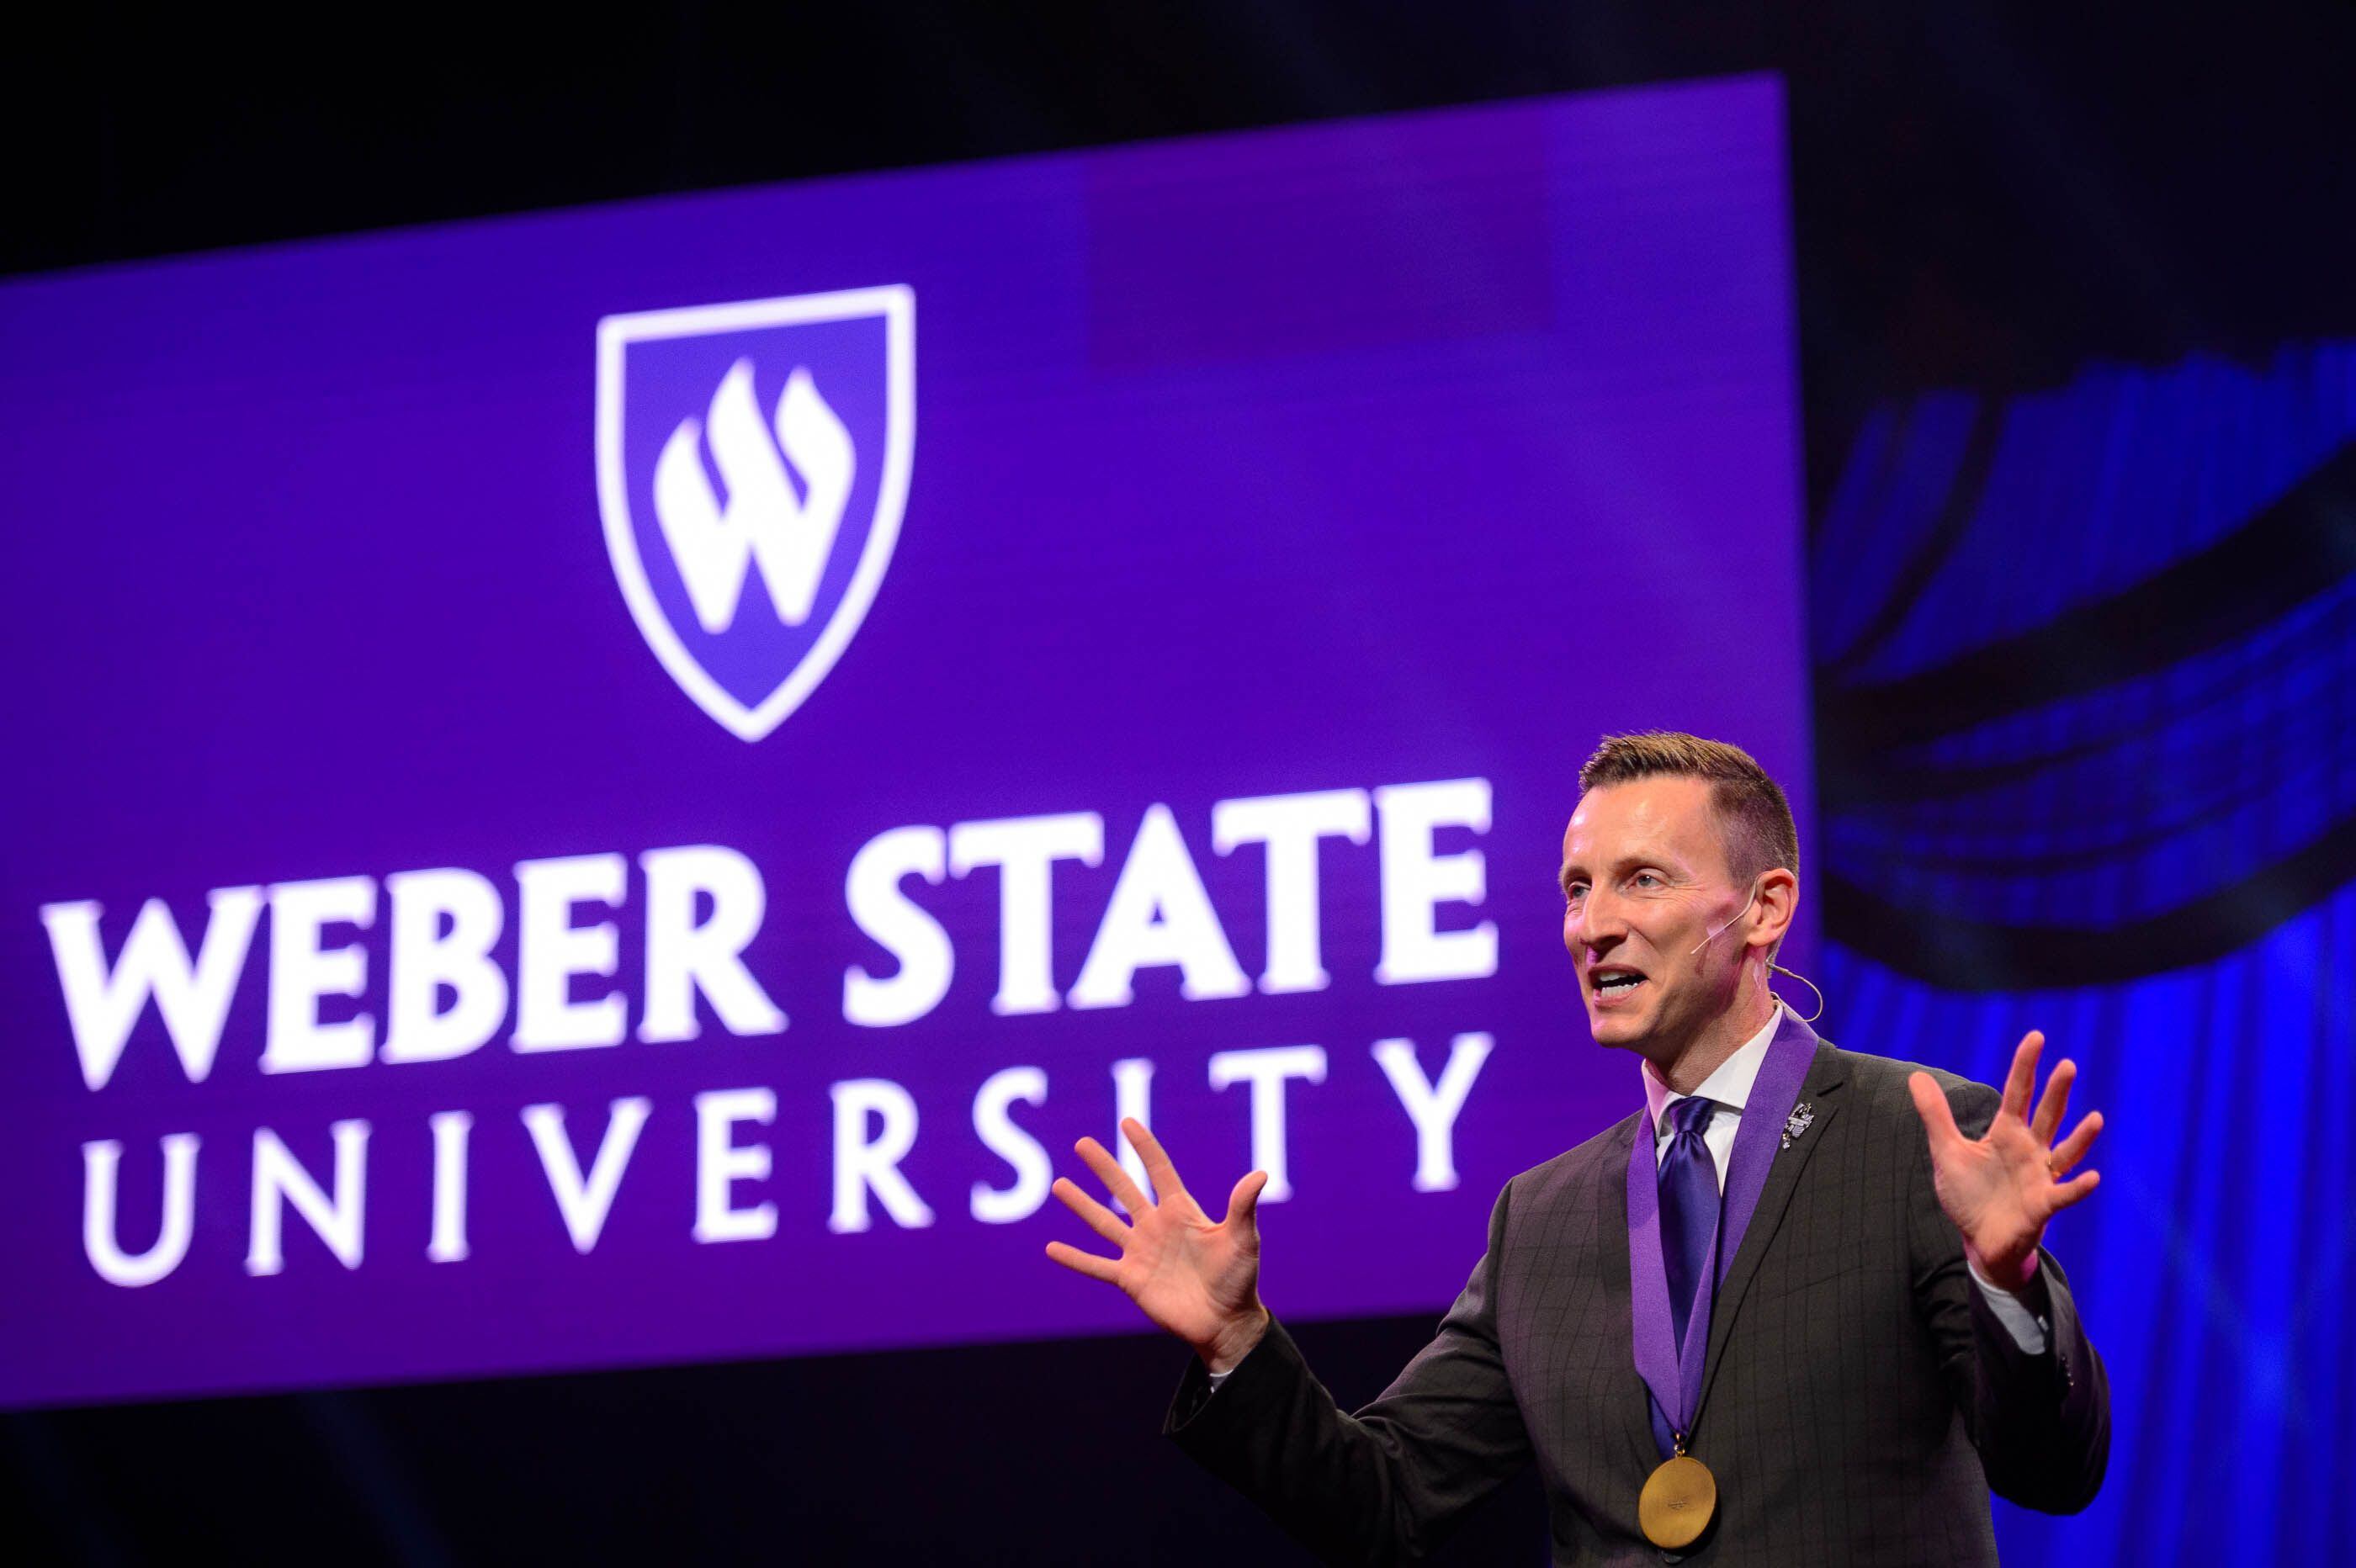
column 751, row 468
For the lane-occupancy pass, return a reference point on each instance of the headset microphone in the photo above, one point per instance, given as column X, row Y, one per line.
column 1778, row 969
column 1721, row 930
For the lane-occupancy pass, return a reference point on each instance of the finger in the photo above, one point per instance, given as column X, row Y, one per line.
column 1108, row 1171
column 2023, row 1077
column 1163, row 1174
column 1243, row 1208
column 2072, row 1149
column 1938, row 1117
column 1088, row 1264
column 1099, row 1219
column 2054, row 1104
column 2076, row 1189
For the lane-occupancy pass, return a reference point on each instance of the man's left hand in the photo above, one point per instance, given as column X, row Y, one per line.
column 2000, row 1190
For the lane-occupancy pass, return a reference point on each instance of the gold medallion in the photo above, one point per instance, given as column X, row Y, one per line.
column 1677, row 1501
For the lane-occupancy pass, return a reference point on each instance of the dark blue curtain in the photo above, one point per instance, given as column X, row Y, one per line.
column 2085, row 667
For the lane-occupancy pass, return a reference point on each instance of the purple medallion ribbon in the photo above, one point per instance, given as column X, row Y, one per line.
column 1673, row 1372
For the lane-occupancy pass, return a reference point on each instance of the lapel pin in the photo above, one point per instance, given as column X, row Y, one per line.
column 1804, row 1113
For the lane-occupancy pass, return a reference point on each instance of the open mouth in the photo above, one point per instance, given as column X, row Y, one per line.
column 1619, row 983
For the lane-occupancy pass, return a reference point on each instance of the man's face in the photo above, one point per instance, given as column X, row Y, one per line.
column 1644, row 882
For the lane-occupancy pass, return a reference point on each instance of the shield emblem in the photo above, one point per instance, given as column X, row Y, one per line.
column 753, row 466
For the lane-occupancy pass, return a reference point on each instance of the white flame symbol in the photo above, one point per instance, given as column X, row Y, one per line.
column 762, row 520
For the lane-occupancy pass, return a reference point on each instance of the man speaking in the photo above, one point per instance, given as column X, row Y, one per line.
column 1793, row 1309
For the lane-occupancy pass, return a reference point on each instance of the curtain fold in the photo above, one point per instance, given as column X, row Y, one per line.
column 2087, row 764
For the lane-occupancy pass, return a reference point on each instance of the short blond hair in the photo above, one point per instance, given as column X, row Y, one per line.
column 1754, row 820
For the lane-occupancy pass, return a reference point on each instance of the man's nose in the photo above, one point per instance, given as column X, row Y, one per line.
column 1599, row 921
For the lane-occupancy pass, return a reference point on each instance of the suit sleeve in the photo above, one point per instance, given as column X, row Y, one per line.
column 2041, row 1423
column 1382, row 1486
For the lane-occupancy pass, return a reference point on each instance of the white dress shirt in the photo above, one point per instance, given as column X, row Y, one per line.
column 1729, row 1086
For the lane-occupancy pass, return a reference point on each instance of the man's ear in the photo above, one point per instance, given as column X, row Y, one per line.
column 1771, row 917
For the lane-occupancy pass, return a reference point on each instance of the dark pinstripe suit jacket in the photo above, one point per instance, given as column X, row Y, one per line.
column 1861, row 1401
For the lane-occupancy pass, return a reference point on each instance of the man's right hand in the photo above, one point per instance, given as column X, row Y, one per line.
column 1198, row 1279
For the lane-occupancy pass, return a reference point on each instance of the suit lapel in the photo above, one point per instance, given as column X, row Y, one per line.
column 1818, row 1091
column 1611, row 1253
column 1633, row 1399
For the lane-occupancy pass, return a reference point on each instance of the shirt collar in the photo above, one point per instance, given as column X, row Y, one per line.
column 1730, row 1085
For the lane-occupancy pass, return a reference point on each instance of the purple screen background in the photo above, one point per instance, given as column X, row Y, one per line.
column 1374, row 453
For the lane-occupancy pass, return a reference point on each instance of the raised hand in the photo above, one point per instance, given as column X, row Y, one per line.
column 2001, row 1189
column 1198, row 1279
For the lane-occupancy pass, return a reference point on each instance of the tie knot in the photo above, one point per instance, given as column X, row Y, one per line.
column 1692, row 1115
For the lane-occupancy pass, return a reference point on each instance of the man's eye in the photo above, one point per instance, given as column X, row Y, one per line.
column 1645, row 879
column 1574, row 892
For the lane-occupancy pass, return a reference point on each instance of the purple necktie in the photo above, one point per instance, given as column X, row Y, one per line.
column 1689, row 1206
